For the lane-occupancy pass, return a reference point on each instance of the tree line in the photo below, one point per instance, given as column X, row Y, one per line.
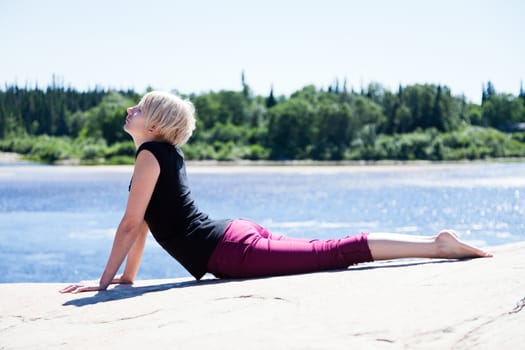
column 420, row 121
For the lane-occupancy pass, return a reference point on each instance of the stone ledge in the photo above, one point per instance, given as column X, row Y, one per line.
column 403, row 304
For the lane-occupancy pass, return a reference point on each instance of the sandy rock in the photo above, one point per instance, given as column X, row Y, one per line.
column 404, row 304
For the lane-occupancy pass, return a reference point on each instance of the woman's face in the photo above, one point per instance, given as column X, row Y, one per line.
column 135, row 121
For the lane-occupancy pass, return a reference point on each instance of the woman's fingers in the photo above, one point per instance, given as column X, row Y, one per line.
column 68, row 289
column 86, row 289
column 75, row 288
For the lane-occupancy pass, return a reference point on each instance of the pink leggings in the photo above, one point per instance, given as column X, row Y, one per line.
column 249, row 250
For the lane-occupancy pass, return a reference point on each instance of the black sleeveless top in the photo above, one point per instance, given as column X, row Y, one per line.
column 185, row 232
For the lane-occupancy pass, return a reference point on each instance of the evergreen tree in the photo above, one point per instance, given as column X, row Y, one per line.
column 484, row 97
column 345, row 96
column 390, row 105
column 522, row 92
column 437, row 112
column 400, row 92
column 245, row 87
column 491, row 91
column 270, row 101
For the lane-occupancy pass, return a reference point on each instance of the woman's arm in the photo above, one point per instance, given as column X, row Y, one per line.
column 132, row 225
column 134, row 258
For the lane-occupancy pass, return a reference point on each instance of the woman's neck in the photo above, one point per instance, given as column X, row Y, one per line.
column 138, row 142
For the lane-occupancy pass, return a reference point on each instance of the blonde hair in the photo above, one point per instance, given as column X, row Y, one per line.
column 171, row 116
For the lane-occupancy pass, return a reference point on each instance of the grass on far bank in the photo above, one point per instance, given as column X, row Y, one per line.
column 469, row 143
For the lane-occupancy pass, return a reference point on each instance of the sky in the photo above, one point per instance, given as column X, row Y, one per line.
column 195, row 46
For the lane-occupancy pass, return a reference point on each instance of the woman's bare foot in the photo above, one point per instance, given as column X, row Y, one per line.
column 450, row 247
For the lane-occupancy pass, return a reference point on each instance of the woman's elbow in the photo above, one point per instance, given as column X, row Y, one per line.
column 131, row 226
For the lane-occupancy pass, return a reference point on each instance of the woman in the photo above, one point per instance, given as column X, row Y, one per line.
column 160, row 201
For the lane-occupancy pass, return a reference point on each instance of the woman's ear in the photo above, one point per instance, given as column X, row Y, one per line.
column 152, row 129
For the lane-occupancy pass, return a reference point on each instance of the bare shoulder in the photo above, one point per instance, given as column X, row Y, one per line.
column 146, row 166
column 145, row 173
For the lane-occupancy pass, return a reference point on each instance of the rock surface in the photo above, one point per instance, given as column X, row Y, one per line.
column 403, row 304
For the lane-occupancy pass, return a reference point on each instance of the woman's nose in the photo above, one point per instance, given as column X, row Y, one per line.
column 130, row 110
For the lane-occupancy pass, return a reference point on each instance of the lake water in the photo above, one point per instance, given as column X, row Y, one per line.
column 57, row 222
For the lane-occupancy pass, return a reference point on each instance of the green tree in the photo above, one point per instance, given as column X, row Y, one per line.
column 375, row 92
column 487, row 93
column 390, row 105
column 522, row 92
column 402, row 119
column 106, row 120
column 335, row 132
column 502, row 110
column 291, row 129
column 224, row 107
column 271, row 101
column 475, row 114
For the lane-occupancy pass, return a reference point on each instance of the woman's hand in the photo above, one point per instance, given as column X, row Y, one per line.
column 77, row 288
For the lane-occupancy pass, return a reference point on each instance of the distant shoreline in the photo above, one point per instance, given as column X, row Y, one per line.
column 419, row 170
column 10, row 157
column 15, row 158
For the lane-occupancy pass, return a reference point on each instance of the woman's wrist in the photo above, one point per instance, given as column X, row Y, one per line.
column 102, row 285
column 126, row 279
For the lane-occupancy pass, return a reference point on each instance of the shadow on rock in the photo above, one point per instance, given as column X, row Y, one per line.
column 129, row 291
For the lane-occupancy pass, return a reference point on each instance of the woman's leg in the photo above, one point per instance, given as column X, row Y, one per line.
column 384, row 246
column 272, row 236
column 445, row 244
column 248, row 250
